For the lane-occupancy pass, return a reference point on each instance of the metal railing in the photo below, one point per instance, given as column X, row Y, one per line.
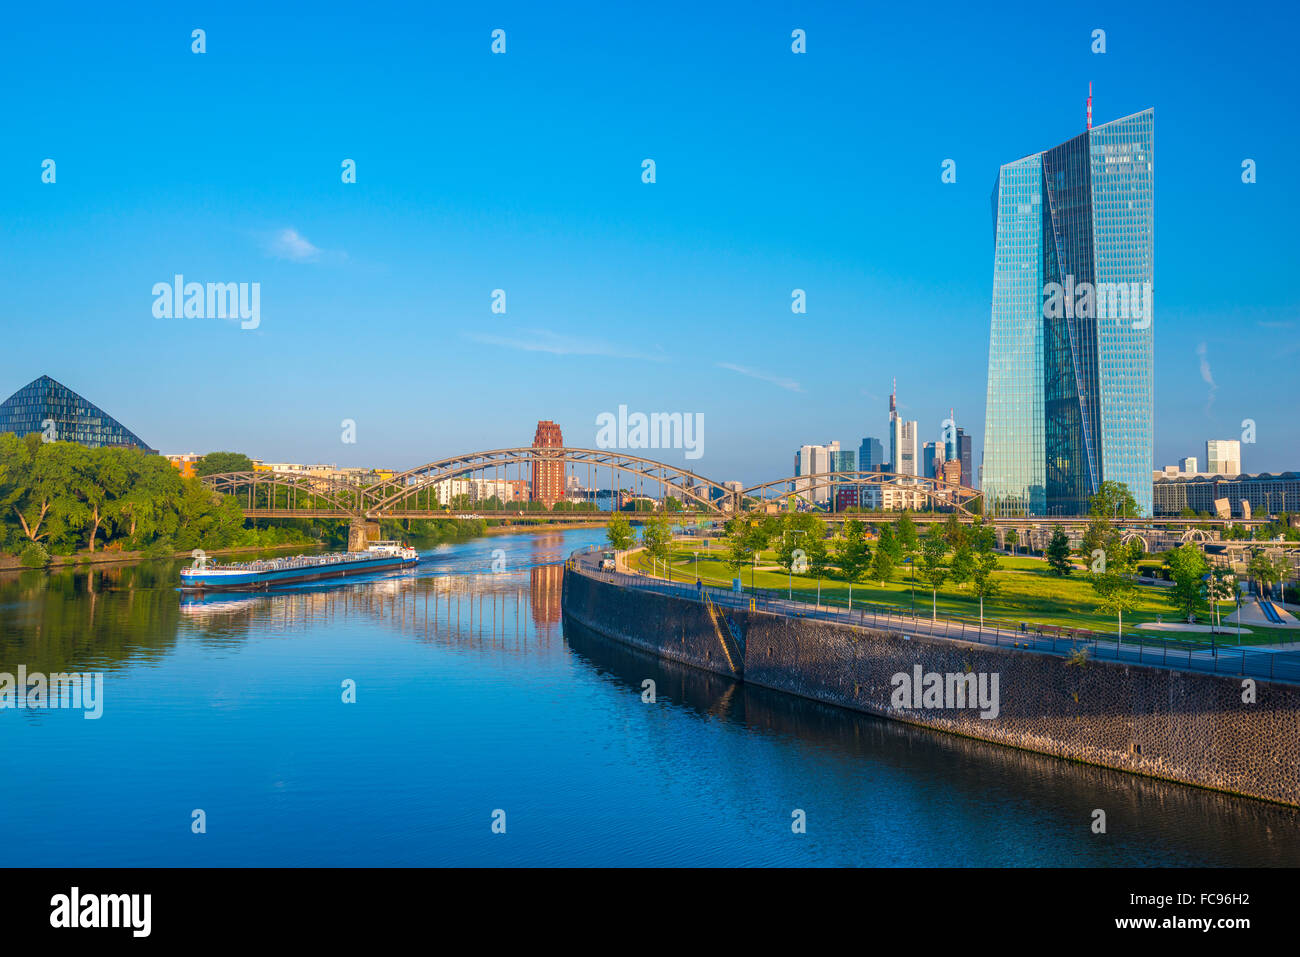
column 1153, row 651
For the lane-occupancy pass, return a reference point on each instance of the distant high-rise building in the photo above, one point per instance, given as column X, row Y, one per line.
column 1223, row 457
column 964, row 456
column 1070, row 346
column 903, row 457
column 871, row 456
column 548, row 472
column 932, row 459
column 1187, row 465
column 51, row 409
column 812, row 460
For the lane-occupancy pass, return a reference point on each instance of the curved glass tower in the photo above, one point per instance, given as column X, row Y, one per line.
column 1070, row 341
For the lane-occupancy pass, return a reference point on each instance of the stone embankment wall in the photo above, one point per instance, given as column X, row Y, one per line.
column 1180, row 726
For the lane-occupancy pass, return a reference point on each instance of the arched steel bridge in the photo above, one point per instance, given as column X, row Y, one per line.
column 420, row 493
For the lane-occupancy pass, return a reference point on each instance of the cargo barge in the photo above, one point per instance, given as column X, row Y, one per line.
column 269, row 572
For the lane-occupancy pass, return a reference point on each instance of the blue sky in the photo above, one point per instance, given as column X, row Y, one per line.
column 522, row 171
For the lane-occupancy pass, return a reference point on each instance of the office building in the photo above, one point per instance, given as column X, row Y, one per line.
column 871, row 455
column 1223, row 457
column 1070, row 351
column 904, row 458
column 814, row 460
column 932, row 458
column 52, row 410
column 1235, row 495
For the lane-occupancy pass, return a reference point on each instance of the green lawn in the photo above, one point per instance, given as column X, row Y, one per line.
column 1029, row 593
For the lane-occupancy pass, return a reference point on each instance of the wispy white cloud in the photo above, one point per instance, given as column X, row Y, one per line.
column 290, row 244
column 544, row 340
column 776, row 380
column 1206, row 375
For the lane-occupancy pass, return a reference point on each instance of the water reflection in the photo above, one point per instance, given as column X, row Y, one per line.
column 529, row 701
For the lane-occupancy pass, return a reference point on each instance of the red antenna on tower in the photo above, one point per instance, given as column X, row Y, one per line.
column 1089, row 104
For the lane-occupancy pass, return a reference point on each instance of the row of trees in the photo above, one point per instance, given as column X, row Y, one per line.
column 59, row 497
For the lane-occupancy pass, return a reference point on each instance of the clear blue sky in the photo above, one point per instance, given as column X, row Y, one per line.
column 523, row 172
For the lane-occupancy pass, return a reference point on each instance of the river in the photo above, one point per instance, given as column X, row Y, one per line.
column 472, row 699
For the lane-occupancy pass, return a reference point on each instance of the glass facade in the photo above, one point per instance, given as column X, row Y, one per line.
column 71, row 417
column 1070, row 387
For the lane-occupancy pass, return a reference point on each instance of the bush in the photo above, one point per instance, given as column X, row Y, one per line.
column 162, row 548
column 34, row 555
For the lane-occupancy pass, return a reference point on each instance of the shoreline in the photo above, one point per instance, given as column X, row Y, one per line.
column 9, row 563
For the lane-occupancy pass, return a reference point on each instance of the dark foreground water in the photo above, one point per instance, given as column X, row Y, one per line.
column 471, row 697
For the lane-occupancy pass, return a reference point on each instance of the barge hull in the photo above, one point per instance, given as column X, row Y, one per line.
column 259, row 581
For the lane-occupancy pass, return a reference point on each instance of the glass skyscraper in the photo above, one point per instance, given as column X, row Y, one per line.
column 49, row 407
column 1070, row 340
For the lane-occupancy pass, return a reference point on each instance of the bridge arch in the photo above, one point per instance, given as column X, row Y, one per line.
column 409, row 486
column 303, row 492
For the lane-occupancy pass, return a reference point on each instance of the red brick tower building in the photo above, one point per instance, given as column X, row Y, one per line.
column 548, row 474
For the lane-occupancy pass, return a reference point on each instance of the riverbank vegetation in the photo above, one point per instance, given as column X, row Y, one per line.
column 60, row 498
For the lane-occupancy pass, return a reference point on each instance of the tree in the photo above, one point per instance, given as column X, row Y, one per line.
column 746, row 537
column 1116, row 592
column 982, row 581
column 1113, row 500
column 1187, row 569
column 963, row 565
column 657, row 537
column 933, row 570
column 890, row 545
column 1265, row 569
column 954, row 531
column 1058, row 553
column 882, row 564
column 619, row 533
column 1012, row 538
column 853, row 553
column 1220, row 587
column 214, row 463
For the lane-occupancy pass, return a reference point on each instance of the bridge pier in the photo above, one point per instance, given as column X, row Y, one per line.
column 361, row 533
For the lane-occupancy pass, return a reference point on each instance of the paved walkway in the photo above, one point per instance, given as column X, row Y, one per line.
column 1218, row 657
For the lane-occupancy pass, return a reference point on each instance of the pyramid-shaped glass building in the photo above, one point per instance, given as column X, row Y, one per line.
column 50, row 408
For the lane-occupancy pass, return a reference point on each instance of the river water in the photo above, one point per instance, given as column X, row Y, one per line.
column 471, row 698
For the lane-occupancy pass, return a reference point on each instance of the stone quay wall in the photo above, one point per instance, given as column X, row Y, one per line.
column 1193, row 728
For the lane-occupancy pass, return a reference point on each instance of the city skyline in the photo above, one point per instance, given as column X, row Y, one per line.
column 610, row 283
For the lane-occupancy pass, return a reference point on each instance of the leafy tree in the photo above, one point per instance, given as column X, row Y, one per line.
column 853, row 553
column 905, row 533
column 215, row 463
column 889, row 544
column 1221, row 587
column 955, row 532
column 983, row 583
column 1266, row 569
column 801, row 532
column 1117, row 593
column 1187, row 567
column 1113, row 500
column 933, row 549
column 657, row 537
column 882, row 564
column 1012, row 539
column 963, row 565
column 747, row 535
column 619, row 533
column 1058, row 553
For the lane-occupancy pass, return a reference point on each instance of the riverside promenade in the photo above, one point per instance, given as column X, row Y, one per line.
column 1220, row 718
column 1152, row 651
